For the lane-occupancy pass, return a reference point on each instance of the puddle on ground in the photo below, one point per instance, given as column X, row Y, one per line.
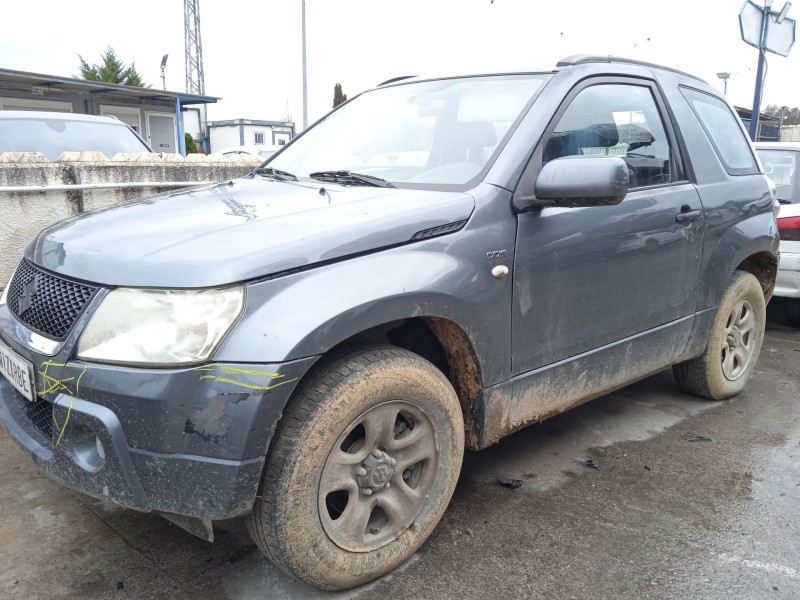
column 551, row 453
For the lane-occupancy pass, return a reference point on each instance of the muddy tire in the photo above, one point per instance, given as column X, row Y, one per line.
column 361, row 469
column 791, row 308
column 733, row 345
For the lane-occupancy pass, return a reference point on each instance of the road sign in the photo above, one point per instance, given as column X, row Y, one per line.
column 763, row 28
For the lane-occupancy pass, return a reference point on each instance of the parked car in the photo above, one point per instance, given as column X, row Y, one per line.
column 781, row 161
column 260, row 150
column 311, row 347
column 53, row 133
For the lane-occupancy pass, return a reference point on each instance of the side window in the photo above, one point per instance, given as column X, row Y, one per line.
column 615, row 120
column 723, row 130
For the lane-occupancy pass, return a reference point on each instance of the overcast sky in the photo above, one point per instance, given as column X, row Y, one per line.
column 252, row 48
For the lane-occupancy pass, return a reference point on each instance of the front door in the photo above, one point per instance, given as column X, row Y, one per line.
column 161, row 132
column 587, row 277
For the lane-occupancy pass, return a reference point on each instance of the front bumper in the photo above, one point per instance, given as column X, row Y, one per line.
column 787, row 283
column 183, row 441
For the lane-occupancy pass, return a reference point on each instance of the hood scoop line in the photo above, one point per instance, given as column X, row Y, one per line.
column 439, row 230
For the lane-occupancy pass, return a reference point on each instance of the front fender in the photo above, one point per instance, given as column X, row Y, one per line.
column 308, row 313
column 750, row 236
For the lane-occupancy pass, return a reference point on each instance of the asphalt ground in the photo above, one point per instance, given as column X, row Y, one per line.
column 683, row 498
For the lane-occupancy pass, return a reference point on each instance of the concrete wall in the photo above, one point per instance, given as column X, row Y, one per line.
column 24, row 213
column 790, row 133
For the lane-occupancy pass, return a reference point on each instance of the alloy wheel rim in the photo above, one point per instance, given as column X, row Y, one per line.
column 739, row 339
column 378, row 477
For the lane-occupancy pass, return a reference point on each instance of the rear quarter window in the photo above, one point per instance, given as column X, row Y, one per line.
column 724, row 131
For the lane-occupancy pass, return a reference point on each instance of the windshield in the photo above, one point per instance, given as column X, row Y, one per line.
column 781, row 167
column 52, row 136
column 432, row 132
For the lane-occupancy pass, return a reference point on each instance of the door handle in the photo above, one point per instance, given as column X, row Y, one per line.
column 688, row 215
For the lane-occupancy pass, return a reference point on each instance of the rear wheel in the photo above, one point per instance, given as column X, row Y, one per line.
column 362, row 468
column 733, row 346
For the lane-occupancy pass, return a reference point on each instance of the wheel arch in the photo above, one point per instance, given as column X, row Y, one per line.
column 440, row 341
column 750, row 245
column 764, row 266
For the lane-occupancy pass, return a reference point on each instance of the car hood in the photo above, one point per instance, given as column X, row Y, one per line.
column 244, row 229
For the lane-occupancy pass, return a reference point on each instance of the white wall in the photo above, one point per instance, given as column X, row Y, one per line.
column 250, row 132
column 790, row 133
column 191, row 122
column 224, row 137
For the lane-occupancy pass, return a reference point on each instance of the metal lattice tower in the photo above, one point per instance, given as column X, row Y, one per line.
column 195, row 80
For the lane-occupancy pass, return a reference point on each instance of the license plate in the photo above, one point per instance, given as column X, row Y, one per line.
column 18, row 371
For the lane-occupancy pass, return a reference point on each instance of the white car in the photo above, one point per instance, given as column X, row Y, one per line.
column 263, row 150
column 53, row 133
column 781, row 161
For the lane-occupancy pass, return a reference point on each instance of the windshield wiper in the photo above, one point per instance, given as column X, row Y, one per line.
column 275, row 174
column 349, row 178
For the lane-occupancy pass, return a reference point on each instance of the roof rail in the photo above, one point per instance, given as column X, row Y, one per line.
column 395, row 79
column 582, row 59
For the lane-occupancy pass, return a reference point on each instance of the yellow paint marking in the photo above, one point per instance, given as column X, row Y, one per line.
column 229, row 370
column 249, row 386
column 64, row 427
column 78, row 383
column 54, row 385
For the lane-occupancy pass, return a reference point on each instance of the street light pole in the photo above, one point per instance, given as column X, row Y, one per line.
column 163, row 67
column 305, row 81
column 759, row 72
column 724, row 77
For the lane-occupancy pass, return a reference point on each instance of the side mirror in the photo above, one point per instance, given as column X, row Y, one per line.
column 581, row 181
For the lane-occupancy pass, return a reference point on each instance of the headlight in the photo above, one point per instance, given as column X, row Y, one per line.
column 163, row 327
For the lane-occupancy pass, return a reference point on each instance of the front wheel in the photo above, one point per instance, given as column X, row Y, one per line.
column 362, row 467
column 733, row 345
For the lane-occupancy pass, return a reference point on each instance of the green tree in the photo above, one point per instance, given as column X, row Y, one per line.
column 791, row 116
column 338, row 95
column 110, row 70
column 191, row 147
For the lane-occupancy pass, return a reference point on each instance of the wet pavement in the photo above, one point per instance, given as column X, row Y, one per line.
column 689, row 499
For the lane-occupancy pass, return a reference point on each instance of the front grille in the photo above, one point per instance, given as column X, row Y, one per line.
column 47, row 304
column 40, row 413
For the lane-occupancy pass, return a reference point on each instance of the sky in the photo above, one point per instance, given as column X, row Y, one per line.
column 252, row 49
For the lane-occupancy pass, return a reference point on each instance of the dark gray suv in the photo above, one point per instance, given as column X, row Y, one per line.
column 433, row 265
